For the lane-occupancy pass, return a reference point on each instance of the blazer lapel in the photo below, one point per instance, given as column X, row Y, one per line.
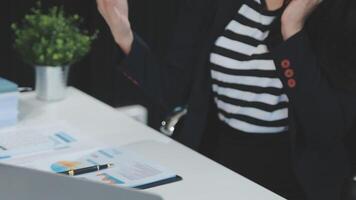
column 226, row 11
column 193, row 129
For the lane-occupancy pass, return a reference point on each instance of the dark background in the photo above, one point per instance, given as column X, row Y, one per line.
column 94, row 74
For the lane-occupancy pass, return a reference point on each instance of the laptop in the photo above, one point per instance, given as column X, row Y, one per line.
column 18, row 183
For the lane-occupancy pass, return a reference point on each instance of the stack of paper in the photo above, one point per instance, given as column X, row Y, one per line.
column 59, row 147
column 9, row 96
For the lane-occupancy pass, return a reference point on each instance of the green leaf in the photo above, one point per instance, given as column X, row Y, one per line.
column 51, row 37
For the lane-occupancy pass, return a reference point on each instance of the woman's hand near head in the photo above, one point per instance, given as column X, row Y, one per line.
column 115, row 13
column 295, row 15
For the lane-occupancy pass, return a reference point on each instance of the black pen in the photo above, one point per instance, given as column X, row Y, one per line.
column 25, row 89
column 86, row 170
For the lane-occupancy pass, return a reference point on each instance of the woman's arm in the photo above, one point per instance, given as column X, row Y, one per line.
column 322, row 111
column 322, row 114
column 308, row 89
column 323, row 117
column 166, row 78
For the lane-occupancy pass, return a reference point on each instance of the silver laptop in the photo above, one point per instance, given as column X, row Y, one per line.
column 26, row 184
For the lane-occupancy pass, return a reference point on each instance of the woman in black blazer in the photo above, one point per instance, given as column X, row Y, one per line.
column 313, row 52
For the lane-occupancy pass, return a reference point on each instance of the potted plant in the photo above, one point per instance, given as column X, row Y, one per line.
column 51, row 41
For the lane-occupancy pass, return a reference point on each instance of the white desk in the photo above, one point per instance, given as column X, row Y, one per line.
column 203, row 179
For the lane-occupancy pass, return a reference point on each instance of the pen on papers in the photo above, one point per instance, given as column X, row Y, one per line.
column 3, row 148
column 86, row 170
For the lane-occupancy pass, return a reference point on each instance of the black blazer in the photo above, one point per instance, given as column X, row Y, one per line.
column 320, row 116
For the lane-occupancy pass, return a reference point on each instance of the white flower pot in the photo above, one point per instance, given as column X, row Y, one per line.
column 51, row 82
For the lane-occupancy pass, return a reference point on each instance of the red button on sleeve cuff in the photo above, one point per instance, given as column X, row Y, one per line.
column 289, row 73
column 292, row 83
column 285, row 63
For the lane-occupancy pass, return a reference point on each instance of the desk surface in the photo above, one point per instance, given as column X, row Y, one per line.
column 203, row 178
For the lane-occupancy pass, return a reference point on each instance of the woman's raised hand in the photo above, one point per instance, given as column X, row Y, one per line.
column 116, row 15
column 295, row 15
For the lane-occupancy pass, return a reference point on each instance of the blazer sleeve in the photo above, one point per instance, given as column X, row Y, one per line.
column 167, row 78
column 321, row 110
column 323, row 117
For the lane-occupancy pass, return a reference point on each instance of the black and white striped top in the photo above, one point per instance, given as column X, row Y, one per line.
column 248, row 93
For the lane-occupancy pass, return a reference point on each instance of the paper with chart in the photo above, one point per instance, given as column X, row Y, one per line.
column 57, row 149
column 129, row 169
column 53, row 138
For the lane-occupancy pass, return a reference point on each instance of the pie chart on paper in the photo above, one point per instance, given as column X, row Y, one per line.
column 63, row 166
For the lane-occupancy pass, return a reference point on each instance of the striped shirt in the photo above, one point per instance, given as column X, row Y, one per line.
column 247, row 90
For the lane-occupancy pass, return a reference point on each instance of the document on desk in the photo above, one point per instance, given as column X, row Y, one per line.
column 56, row 149
column 129, row 169
column 42, row 139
